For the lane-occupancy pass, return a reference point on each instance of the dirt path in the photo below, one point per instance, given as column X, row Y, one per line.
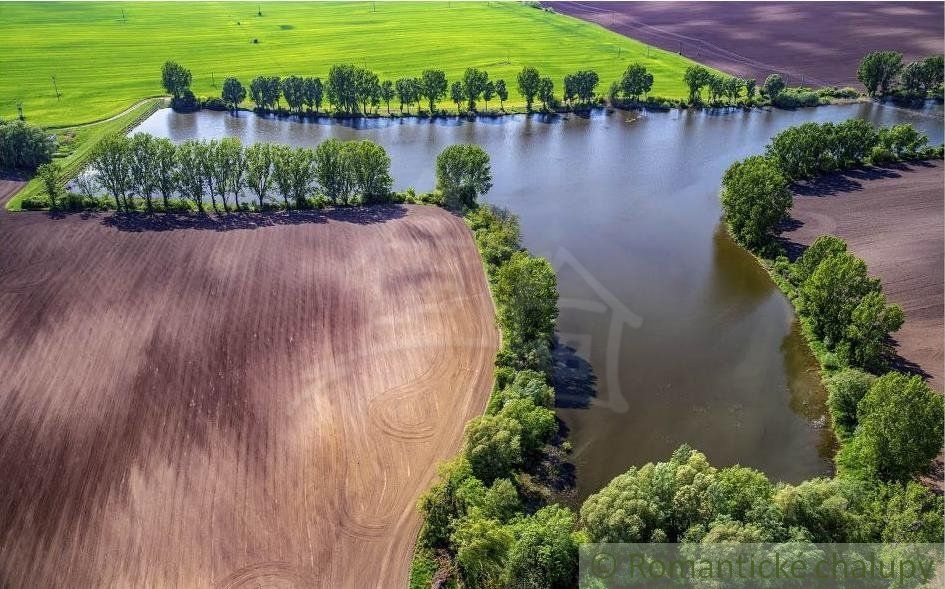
column 190, row 404
column 894, row 219
column 819, row 43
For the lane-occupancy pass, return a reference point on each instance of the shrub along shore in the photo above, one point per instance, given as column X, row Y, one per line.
column 888, row 424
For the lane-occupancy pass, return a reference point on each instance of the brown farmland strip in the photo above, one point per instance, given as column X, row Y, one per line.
column 257, row 406
column 812, row 43
column 894, row 219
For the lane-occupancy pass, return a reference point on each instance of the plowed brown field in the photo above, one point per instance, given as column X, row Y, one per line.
column 894, row 219
column 811, row 43
column 255, row 402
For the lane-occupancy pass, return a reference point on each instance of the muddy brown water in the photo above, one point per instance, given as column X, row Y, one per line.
column 670, row 333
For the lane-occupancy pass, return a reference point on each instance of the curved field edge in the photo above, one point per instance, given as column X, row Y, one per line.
column 104, row 56
column 76, row 145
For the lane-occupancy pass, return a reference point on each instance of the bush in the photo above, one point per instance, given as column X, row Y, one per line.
column 214, row 103
column 880, row 155
column 186, row 102
column 835, row 92
column 35, row 203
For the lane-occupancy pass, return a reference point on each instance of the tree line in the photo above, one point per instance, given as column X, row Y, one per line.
column 755, row 192
column 143, row 172
column 883, row 73
column 351, row 90
column 489, row 512
column 143, row 168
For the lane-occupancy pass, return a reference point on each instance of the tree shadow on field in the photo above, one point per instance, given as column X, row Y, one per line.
column 572, row 378
column 904, row 365
column 141, row 222
column 847, row 181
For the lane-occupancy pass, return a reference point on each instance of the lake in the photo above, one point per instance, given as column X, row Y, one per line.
column 684, row 337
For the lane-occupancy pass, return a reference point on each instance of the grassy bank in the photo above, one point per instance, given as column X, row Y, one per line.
column 105, row 56
column 76, row 144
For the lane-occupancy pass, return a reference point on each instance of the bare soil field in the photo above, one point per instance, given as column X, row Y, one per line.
column 253, row 402
column 893, row 218
column 818, row 45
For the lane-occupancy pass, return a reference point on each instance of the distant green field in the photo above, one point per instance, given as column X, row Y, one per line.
column 105, row 56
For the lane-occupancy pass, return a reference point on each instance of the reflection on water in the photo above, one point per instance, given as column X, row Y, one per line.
column 686, row 337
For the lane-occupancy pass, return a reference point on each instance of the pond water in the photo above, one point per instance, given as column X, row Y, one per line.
column 685, row 338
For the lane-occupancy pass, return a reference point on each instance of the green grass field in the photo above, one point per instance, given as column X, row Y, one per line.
column 105, row 56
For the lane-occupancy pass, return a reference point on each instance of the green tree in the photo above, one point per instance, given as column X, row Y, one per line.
column 51, row 177
column 265, row 91
column 175, row 78
column 457, row 95
column 866, row 343
column 24, row 146
column 367, row 87
column 733, row 87
column 502, row 92
column 544, row 554
column 433, row 86
column 750, row 86
column 341, row 88
column 716, row 87
column 233, row 93
column 143, row 167
column 368, row 165
column 878, row 71
column 913, row 77
column 538, row 423
column 636, row 81
column 755, row 198
column 111, row 159
column 488, row 92
column 408, row 92
column 695, row 78
column 282, row 164
column 463, row 174
column 481, row 545
column 493, row 446
column 330, row 170
column 474, row 83
column 314, row 93
column 546, row 93
column 822, row 248
column 526, row 295
column 845, row 390
column 835, row 288
column 528, row 84
column 165, row 168
column 804, row 151
column 259, row 159
column 899, row 431
column 773, row 86
column 293, row 89
column 191, row 156
column 387, row 93
column 445, row 502
column 902, row 140
column 934, row 67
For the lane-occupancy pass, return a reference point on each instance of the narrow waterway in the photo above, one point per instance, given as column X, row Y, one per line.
column 684, row 337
